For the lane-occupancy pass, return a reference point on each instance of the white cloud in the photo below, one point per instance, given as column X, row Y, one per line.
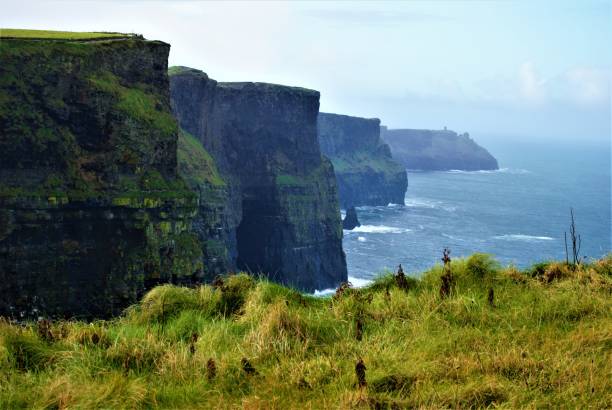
column 588, row 86
column 532, row 87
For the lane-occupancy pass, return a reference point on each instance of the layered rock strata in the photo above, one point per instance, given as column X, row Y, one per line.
column 92, row 211
column 283, row 217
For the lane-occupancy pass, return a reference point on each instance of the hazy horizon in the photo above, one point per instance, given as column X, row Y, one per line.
column 531, row 71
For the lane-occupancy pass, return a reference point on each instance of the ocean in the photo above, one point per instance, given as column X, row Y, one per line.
column 518, row 214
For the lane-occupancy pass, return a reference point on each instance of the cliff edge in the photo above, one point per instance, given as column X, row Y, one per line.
column 283, row 216
column 92, row 211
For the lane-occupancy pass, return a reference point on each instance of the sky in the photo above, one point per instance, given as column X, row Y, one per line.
column 502, row 69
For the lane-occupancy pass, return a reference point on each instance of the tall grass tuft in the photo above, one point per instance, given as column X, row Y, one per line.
column 249, row 343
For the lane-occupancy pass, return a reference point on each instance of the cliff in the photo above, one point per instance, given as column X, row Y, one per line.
column 92, row 211
column 437, row 150
column 364, row 168
column 283, row 215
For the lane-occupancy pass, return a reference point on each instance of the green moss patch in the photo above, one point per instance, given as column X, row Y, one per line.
column 195, row 163
column 137, row 102
column 361, row 161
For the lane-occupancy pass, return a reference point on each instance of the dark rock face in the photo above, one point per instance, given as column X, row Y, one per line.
column 350, row 221
column 442, row 150
column 216, row 221
column 282, row 206
column 92, row 212
column 366, row 173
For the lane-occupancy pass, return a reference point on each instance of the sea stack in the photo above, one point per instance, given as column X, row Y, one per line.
column 350, row 221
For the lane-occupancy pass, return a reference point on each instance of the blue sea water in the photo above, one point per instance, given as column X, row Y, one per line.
column 518, row 213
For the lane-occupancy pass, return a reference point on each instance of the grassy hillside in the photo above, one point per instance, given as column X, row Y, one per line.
column 542, row 338
column 58, row 35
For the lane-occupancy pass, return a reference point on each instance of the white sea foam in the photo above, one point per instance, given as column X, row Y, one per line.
column 356, row 282
column 324, row 292
column 429, row 204
column 526, row 238
column 361, row 239
column 515, row 171
column 378, row 229
column 421, row 203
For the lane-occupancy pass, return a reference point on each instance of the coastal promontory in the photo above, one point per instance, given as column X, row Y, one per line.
column 437, row 150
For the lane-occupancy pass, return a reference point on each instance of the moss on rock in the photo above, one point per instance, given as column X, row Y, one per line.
column 89, row 177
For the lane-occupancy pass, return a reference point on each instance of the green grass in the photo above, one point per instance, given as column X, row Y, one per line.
column 58, row 35
column 358, row 162
column 545, row 342
column 136, row 102
column 195, row 163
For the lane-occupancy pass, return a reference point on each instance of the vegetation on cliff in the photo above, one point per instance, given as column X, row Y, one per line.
column 60, row 35
column 365, row 171
column 282, row 215
column 194, row 163
column 92, row 210
column 496, row 337
column 57, row 141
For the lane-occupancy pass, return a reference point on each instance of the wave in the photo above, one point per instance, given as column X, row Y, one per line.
column 359, row 282
column 421, row 203
column 520, row 237
column 378, row 229
column 429, row 204
column 513, row 171
column 356, row 282
column 361, row 238
column 324, row 292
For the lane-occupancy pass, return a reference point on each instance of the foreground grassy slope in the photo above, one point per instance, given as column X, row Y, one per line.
column 58, row 35
column 545, row 341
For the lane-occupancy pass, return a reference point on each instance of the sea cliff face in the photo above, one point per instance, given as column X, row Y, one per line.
column 92, row 211
column 364, row 168
column 283, row 215
column 442, row 150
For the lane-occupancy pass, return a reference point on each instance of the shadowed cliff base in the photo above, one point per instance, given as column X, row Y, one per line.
column 437, row 150
column 284, row 212
column 365, row 171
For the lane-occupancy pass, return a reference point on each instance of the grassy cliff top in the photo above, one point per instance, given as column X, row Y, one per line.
column 268, row 88
column 539, row 338
column 59, row 35
column 182, row 70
